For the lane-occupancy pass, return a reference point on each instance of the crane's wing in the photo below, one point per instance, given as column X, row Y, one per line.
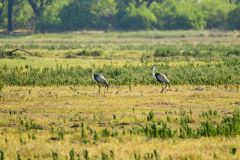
column 161, row 77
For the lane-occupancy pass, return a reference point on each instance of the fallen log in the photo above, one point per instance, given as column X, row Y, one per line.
column 11, row 53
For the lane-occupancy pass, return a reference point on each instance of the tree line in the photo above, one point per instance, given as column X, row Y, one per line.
column 69, row 15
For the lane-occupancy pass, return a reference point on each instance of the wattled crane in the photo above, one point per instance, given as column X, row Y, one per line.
column 160, row 77
column 101, row 80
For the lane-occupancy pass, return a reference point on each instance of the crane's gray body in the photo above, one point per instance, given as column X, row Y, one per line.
column 101, row 80
column 162, row 78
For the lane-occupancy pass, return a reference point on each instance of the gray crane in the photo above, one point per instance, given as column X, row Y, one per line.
column 162, row 78
column 101, row 80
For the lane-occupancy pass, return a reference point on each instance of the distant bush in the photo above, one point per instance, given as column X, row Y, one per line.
column 1, row 85
column 200, row 50
column 70, row 55
column 93, row 53
column 233, row 51
column 166, row 51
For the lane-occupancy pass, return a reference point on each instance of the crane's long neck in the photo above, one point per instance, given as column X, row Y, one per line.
column 153, row 71
column 93, row 74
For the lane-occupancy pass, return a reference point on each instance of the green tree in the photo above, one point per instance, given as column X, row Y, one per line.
column 215, row 13
column 123, row 4
column 137, row 18
column 77, row 15
column 23, row 16
column 173, row 14
column 148, row 2
column 234, row 1
column 38, row 7
column 50, row 20
column 137, row 3
column 234, row 19
column 10, row 10
column 12, row 6
column 2, row 5
column 51, row 15
column 105, row 12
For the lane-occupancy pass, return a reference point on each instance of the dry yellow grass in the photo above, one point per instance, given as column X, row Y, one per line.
column 55, row 108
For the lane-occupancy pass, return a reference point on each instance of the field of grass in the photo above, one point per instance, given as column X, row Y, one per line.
column 39, row 121
column 50, row 108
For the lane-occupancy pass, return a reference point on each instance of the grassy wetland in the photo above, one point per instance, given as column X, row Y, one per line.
column 50, row 107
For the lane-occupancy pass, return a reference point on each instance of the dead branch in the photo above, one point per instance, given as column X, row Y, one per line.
column 12, row 52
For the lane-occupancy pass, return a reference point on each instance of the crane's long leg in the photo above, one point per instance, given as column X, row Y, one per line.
column 165, row 86
column 99, row 89
column 104, row 89
column 168, row 85
column 162, row 88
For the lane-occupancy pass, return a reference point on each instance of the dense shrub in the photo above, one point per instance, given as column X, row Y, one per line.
column 93, row 53
column 228, row 126
column 1, row 85
column 210, row 74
